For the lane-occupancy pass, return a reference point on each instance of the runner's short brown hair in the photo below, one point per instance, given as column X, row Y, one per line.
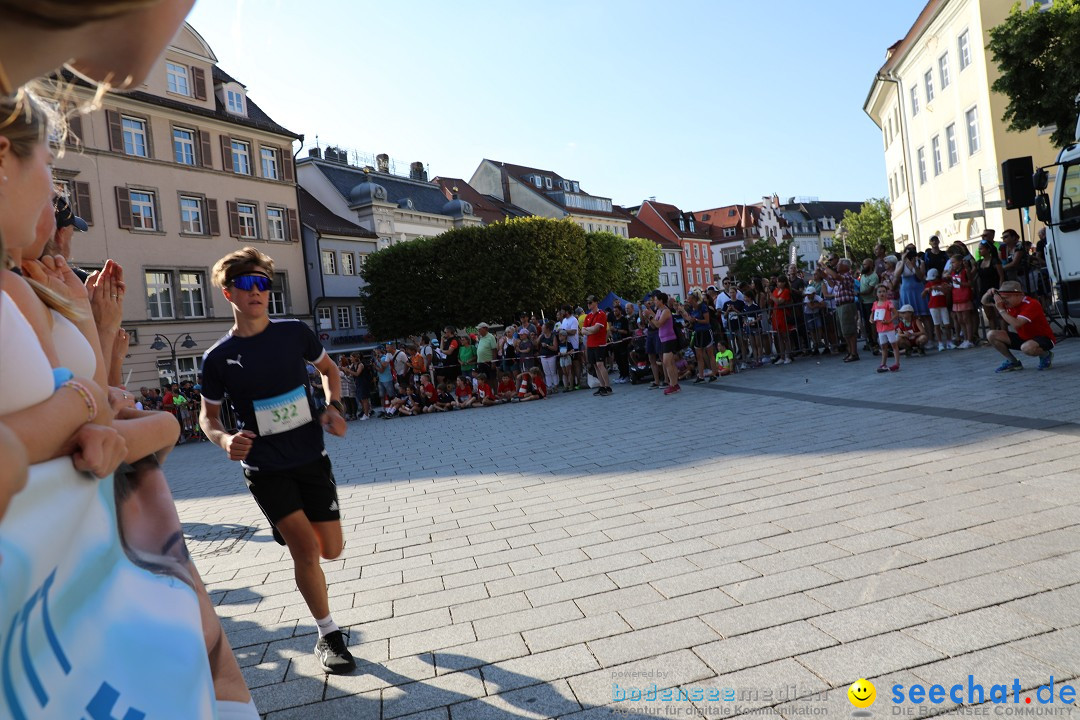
column 241, row 262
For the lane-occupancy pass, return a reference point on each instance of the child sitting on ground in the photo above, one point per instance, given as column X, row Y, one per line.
column 532, row 386
column 909, row 332
column 463, row 393
column 484, row 394
column 725, row 359
column 506, row 387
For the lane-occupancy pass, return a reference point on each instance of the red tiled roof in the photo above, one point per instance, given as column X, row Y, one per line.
column 639, row 229
column 671, row 215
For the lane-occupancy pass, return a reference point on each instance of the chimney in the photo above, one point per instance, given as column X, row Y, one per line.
column 417, row 172
column 383, row 162
column 315, row 153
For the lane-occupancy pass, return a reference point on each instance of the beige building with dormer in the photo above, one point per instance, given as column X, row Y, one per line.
column 943, row 136
column 170, row 177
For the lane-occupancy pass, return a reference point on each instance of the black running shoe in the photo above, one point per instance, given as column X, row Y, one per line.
column 607, row 390
column 333, row 655
column 599, row 391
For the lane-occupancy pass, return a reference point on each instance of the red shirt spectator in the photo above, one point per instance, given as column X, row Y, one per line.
column 484, row 391
column 1036, row 325
column 598, row 338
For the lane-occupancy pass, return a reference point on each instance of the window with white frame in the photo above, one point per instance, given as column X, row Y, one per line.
column 325, row 318
column 361, row 321
column 191, row 215
column 950, row 144
column 269, row 163
column 663, row 259
column 184, row 145
column 663, row 278
column 914, row 100
column 686, row 249
column 235, row 102
column 943, row 70
column 698, row 273
column 730, row 256
column 191, row 295
column 963, row 49
column 361, row 258
column 730, row 232
column 188, row 366
column 673, row 259
column 697, row 256
column 935, row 151
column 348, row 266
column 177, row 76
column 134, row 136
column 921, row 154
column 159, row 294
column 276, row 298
column 329, row 262
column 344, row 318
column 241, row 157
column 248, row 223
column 972, row 118
column 142, row 210
column 903, row 179
column 275, row 223
column 928, row 83
column 682, row 225
column 547, row 183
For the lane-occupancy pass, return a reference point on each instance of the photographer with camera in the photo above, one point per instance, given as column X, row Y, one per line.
column 1026, row 327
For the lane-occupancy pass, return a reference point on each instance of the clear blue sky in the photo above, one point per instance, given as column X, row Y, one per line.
column 698, row 102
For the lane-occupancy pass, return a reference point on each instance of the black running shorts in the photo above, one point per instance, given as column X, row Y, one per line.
column 310, row 488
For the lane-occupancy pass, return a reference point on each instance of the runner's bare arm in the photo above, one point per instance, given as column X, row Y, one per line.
column 237, row 446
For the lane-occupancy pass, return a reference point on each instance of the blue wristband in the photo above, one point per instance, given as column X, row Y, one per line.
column 60, row 376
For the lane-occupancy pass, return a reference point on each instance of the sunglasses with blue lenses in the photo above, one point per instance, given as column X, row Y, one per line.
column 248, row 282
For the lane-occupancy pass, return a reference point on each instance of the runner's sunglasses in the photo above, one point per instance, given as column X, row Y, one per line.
column 247, row 282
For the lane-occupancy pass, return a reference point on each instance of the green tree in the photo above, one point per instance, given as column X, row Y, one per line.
column 1037, row 52
column 471, row 274
column 765, row 258
column 642, row 269
column 866, row 228
column 606, row 256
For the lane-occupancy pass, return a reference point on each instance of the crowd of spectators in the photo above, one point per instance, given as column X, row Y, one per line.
column 899, row 305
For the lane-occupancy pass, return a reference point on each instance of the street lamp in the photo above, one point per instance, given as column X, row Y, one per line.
column 841, row 232
column 160, row 343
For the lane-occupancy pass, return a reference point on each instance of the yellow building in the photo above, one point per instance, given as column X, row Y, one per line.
column 169, row 177
column 944, row 139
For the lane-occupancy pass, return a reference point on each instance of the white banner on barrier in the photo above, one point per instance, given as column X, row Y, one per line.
column 85, row 633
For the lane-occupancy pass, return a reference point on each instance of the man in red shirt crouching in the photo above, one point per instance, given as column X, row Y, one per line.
column 1027, row 329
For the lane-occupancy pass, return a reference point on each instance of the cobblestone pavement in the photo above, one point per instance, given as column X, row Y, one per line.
column 782, row 533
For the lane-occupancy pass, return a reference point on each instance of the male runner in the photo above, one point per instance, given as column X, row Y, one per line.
column 261, row 365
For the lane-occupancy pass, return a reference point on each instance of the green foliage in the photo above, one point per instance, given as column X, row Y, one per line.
column 471, row 274
column 605, row 262
column 642, row 269
column 764, row 258
column 1038, row 55
column 494, row 272
column 866, row 228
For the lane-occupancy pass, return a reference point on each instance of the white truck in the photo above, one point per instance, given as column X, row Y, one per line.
column 1061, row 214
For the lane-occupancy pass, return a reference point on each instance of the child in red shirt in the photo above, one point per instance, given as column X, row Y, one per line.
column 883, row 313
column 532, row 386
column 463, row 394
column 938, row 302
column 506, row 387
column 484, row 393
column 962, row 303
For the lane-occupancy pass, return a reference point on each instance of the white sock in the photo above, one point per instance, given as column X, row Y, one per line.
column 326, row 625
column 233, row 710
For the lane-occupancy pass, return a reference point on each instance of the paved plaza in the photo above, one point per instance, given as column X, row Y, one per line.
column 780, row 533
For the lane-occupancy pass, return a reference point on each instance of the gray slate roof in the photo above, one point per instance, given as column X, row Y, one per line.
column 426, row 196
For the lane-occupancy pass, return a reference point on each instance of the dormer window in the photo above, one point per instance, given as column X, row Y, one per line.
column 536, row 179
column 547, row 183
column 235, row 102
column 682, row 225
column 692, row 225
column 177, row 78
column 577, row 188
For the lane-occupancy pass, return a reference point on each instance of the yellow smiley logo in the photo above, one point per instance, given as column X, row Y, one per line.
column 862, row 693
